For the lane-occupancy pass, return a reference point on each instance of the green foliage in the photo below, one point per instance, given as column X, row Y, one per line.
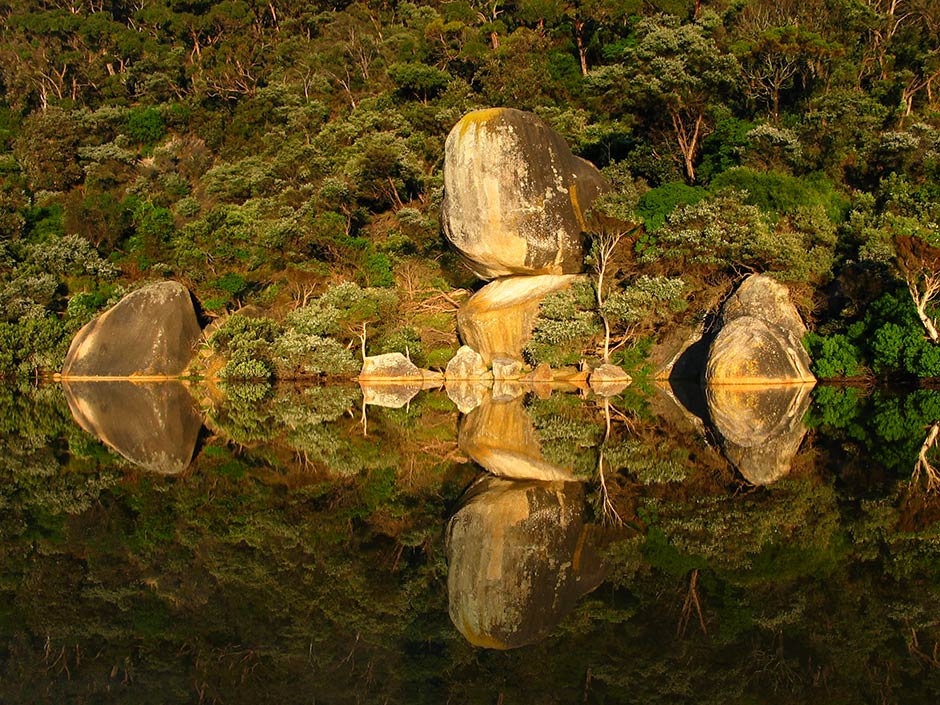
column 643, row 301
column 833, row 356
column 565, row 325
column 297, row 353
column 145, row 126
column 835, row 407
column 659, row 202
column 723, row 231
column 889, row 339
column 418, row 80
column 247, row 344
column 776, row 192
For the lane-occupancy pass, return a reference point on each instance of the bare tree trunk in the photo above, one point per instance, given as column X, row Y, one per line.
column 582, row 49
column 931, row 288
column 688, row 142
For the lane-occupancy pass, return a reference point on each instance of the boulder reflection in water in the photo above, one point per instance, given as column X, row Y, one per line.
column 519, row 557
column 761, row 428
column 154, row 425
column 499, row 436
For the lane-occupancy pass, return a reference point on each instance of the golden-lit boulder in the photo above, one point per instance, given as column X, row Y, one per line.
column 760, row 339
column 155, row 425
column 499, row 436
column 498, row 320
column 515, row 197
column 760, row 428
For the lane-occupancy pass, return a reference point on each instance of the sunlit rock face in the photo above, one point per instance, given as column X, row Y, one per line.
column 497, row 321
column 154, row 425
column 150, row 332
column 515, row 197
column 466, row 364
column 519, row 557
column 760, row 428
column 499, row 436
column 760, row 338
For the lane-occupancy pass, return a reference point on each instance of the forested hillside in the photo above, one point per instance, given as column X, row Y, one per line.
column 262, row 152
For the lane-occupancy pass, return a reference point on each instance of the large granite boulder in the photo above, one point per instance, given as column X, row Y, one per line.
column 151, row 332
column 155, row 425
column 515, row 197
column 519, row 557
column 759, row 340
column 497, row 321
column 760, row 429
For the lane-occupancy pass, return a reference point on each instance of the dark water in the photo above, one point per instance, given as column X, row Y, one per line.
column 164, row 544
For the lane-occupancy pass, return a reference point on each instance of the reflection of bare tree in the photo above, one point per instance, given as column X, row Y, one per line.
column 924, row 470
column 609, row 513
column 691, row 601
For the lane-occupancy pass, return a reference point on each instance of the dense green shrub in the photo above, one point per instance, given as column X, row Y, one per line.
column 834, row 356
column 657, row 203
column 564, row 328
column 145, row 126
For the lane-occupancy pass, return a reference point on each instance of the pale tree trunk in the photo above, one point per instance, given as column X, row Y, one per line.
column 931, row 287
column 582, row 49
column 608, row 510
column 605, row 248
column 688, row 140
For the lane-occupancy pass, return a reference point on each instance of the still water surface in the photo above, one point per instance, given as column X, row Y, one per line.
column 166, row 544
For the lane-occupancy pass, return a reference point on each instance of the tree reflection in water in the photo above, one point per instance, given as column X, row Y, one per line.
column 298, row 560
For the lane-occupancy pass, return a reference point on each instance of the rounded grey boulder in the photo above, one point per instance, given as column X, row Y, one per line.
column 515, row 197
column 151, row 332
column 760, row 338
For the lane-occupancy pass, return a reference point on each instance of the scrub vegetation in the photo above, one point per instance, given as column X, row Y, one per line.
column 265, row 153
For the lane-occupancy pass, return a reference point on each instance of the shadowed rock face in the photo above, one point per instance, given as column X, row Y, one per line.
column 760, row 338
column 515, row 197
column 154, row 425
column 761, row 429
column 150, row 332
column 519, row 557
column 497, row 321
column 499, row 436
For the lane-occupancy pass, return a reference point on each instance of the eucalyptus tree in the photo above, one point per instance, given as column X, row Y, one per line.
column 673, row 77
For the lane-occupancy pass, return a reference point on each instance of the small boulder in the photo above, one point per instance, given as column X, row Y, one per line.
column 498, row 320
column 467, row 395
column 760, row 338
column 467, row 364
column 608, row 380
column 151, row 332
column 541, row 378
column 508, row 389
column 390, row 396
column 390, row 366
column 542, row 373
column 515, row 197
column 505, row 368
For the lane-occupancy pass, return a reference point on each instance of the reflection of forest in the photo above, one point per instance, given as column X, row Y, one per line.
column 300, row 559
